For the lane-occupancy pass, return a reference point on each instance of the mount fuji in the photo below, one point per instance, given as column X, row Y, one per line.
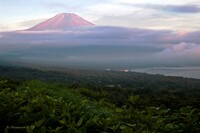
column 61, row 21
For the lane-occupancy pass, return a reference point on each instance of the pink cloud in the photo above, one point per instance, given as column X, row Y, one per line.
column 105, row 44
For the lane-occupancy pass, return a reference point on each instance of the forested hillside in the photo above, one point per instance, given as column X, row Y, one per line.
column 99, row 78
column 97, row 101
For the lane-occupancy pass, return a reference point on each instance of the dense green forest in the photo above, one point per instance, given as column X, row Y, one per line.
column 97, row 101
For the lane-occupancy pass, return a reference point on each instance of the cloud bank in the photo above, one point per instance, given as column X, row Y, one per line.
column 174, row 8
column 102, row 47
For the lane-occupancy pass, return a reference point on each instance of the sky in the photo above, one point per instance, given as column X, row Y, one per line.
column 176, row 15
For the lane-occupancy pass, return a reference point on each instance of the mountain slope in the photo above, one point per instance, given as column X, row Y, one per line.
column 62, row 21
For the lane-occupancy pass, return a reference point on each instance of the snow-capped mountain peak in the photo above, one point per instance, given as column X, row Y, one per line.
column 62, row 21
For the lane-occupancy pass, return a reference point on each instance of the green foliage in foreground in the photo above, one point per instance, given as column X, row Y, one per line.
column 35, row 106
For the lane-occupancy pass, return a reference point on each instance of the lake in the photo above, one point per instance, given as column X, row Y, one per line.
column 190, row 72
